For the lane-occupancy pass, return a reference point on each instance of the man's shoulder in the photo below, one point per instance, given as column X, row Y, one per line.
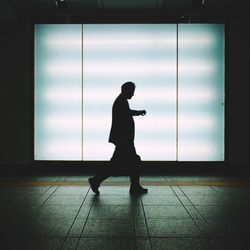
column 120, row 99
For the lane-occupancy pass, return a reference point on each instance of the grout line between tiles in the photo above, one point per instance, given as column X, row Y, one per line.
column 48, row 196
column 39, row 198
column 86, row 218
column 75, row 220
column 145, row 218
column 187, row 210
column 133, row 218
column 193, row 205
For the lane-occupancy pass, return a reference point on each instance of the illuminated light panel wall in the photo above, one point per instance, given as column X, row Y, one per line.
column 58, row 92
column 146, row 55
column 200, row 92
column 179, row 73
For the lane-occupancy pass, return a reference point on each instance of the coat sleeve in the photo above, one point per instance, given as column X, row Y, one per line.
column 135, row 112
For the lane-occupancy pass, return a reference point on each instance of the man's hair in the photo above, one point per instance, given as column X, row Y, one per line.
column 127, row 86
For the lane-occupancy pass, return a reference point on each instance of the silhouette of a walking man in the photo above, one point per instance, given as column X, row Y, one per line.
column 124, row 159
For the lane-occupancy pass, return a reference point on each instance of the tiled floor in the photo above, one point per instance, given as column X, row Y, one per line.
column 61, row 212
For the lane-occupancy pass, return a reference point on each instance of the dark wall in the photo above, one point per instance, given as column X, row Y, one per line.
column 237, row 82
column 16, row 92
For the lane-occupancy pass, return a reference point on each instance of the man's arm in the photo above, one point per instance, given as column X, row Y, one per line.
column 138, row 112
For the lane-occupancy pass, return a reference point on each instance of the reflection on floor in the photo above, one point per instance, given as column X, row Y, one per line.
column 61, row 212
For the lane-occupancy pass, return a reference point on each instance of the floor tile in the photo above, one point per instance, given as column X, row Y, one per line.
column 118, row 179
column 222, row 211
column 71, row 190
column 184, row 200
column 143, row 244
column 70, row 243
column 173, row 228
column 228, row 227
column 105, row 212
column 140, row 228
column 207, row 200
column 168, row 178
column 114, row 190
column 151, row 199
column 177, row 190
column 107, row 244
column 110, row 200
column 234, row 191
column 47, row 228
column 198, row 190
column 77, row 228
column 49, row 178
column 180, row 244
column 193, row 212
column 108, row 228
column 77, row 178
column 160, row 190
column 64, row 200
column 219, row 244
column 57, row 211
column 152, row 178
column 138, row 212
column 166, row 212
column 31, row 243
column 83, row 212
column 45, row 196
column 176, row 217
column 186, row 178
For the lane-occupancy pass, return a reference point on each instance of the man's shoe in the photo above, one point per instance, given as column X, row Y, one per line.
column 94, row 186
column 138, row 190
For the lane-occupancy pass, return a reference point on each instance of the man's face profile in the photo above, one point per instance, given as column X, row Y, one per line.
column 129, row 93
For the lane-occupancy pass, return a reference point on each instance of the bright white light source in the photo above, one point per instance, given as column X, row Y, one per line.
column 63, row 150
column 200, row 40
column 128, row 43
column 193, row 95
column 63, row 42
column 147, row 96
column 60, row 68
column 196, row 122
column 196, row 68
column 61, row 122
column 201, row 117
column 62, row 95
column 129, row 68
column 199, row 150
column 78, row 73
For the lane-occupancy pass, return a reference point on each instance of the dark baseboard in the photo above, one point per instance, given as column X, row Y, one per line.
column 148, row 168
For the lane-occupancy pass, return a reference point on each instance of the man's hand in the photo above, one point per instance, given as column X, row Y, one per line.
column 143, row 112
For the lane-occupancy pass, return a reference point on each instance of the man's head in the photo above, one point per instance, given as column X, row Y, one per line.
column 128, row 89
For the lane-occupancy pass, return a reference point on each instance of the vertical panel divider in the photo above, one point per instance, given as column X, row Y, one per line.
column 177, row 92
column 82, row 94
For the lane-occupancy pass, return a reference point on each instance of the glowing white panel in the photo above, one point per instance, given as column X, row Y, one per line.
column 146, row 55
column 58, row 88
column 201, row 92
column 179, row 83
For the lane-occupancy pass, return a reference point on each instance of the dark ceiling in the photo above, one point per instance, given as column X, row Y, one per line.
column 12, row 10
column 83, row 5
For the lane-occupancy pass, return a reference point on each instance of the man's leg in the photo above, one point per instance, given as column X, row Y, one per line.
column 135, row 186
column 95, row 182
column 134, row 180
column 134, row 172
